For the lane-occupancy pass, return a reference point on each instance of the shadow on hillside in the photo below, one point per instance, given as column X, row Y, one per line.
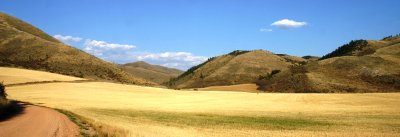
column 15, row 108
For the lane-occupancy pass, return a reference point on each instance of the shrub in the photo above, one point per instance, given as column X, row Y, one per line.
column 296, row 69
column 238, row 52
column 269, row 75
column 2, row 90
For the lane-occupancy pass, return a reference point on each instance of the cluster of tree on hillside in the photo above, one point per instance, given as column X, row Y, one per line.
column 238, row 52
column 346, row 49
column 390, row 37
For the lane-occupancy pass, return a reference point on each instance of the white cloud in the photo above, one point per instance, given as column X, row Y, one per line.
column 67, row 39
column 123, row 53
column 265, row 30
column 179, row 60
column 107, row 46
column 100, row 48
column 287, row 24
column 181, row 56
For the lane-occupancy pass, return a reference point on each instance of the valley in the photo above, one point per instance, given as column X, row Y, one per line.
column 199, row 69
column 129, row 110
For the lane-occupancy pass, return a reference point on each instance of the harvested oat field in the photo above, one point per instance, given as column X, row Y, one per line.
column 239, row 87
column 18, row 76
column 146, row 111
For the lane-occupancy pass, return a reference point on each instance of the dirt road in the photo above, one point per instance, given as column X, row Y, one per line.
column 36, row 121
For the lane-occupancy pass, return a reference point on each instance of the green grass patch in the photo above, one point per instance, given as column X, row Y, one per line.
column 77, row 121
column 213, row 120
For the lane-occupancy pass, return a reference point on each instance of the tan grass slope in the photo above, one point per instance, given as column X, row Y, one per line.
column 155, row 73
column 237, row 67
column 373, row 67
column 23, row 45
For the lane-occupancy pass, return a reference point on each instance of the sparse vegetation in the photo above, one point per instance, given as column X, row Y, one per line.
column 346, row 49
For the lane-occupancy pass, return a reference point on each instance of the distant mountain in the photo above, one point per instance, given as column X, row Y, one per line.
column 23, row 45
column 237, row 67
column 155, row 73
column 359, row 66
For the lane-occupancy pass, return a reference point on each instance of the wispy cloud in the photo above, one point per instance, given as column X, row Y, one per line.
column 287, row 24
column 67, row 39
column 265, row 30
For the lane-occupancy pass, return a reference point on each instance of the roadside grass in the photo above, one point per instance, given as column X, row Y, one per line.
column 89, row 128
column 206, row 120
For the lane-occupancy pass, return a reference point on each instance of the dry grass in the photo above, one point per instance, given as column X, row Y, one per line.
column 15, row 76
column 232, row 69
column 145, row 111
column 239, row 87
column 128, row 110
column 155, row 73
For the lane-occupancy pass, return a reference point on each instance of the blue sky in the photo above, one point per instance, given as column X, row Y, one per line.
column 182, row 33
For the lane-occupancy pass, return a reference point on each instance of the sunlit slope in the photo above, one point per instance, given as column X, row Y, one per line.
column 372, row 66
column 24, row 45
column 147, row 111
column 155, row 73
column 237, row 67
column 16, row 75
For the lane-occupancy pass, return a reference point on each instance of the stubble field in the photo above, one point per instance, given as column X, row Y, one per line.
column 129, row 110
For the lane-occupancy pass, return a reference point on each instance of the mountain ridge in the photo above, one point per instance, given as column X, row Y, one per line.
column 23, row 45
column 232, row 68
column 155, row 73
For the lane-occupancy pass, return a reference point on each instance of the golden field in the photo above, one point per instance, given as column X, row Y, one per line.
column 238, row 87
column 15, row 76
column 146, row 111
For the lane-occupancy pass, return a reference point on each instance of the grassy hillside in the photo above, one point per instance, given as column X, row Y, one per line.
column 23, row 45
column 155, row 73
column 237, row 67
column 369, row 66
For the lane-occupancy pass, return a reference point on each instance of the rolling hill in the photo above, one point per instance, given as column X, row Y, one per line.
column 359, row 66
column 23, row 45
column 237, row 67
column 155, row 73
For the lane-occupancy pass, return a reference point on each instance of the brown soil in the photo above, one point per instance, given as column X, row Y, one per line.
column 36, row 121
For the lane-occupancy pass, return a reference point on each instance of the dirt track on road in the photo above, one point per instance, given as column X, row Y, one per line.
column 35, row 121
